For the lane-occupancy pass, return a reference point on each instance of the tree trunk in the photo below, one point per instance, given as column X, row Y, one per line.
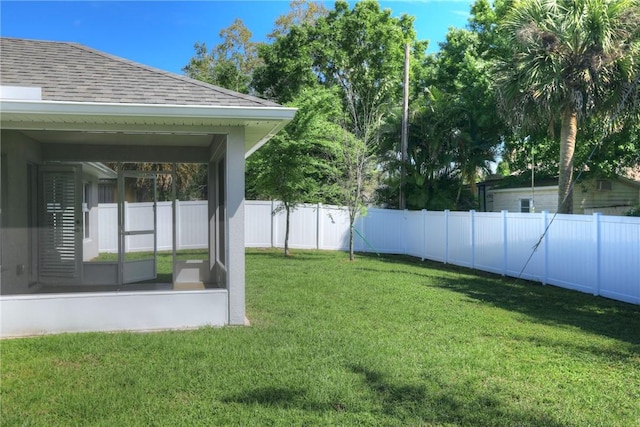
column 286, row 230
column 351, row 221
column 567, row 148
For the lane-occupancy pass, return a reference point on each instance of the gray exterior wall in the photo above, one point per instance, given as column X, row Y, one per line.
column 588, row 197
column 508, row 199
column 618, row 200
column 19, row 151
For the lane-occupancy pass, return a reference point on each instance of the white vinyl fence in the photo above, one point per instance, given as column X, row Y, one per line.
column 590, row 253
column 191, row 232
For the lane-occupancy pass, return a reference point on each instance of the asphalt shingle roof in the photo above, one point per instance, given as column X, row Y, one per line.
column 73, row 72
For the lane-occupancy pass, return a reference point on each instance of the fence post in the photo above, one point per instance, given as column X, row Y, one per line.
column 598, row 254
column 176, row 226
column 318, row 229
column 446, row 236
column 545, row 224
column 472, row 218
column 125, row 243
column 424, row 234
column 504, row 242
column 273, row 224
column 405, row 232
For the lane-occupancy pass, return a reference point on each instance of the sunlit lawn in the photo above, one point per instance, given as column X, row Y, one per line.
column 381, row 341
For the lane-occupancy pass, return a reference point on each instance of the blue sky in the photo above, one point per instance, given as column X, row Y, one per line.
column 162, row 33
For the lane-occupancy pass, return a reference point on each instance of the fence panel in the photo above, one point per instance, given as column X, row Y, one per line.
column 459, row 239
column 333, row 223
column 164, row 230
column 489, row 242
column 258, row 224
column 572, row 255
column 414, row 236
column 303, row 229
column 619, row 251
column 436, row 236
column 108, row 227
column 590, row 253
column 523, row 231
column 192, row 224
column 384, row 231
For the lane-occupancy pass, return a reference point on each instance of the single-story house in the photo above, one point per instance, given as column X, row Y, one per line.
column 66, row 111
column 609, row 196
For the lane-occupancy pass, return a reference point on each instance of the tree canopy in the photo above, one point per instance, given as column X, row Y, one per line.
column 524, row 76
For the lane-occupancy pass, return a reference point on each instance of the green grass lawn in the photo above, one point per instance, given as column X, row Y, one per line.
column 382, row 341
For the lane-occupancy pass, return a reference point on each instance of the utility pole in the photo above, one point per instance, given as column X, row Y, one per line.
column 405, row 130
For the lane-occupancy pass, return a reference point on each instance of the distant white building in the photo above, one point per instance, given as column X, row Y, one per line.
column 610, row 196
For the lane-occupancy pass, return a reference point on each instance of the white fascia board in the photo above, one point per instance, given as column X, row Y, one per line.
column 277, row 128
column 9, row 107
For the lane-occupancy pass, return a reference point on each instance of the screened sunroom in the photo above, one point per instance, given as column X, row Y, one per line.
column 122, row 191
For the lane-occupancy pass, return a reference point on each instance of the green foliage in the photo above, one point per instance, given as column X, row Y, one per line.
column 300, row 12
column 231, row 63
column 287, row 66
column 387, row 341
column 569, row 60
column 297, row 165
column 191, row 180
column 454, row 133
column 634, row 211
column 359, row 53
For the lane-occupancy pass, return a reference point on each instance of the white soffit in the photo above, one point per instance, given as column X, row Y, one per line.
column 261, row 122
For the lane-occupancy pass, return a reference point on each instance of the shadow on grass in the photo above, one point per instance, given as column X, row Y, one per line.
column 460, row 404
column 280, row 397
column 283, row 398
column 403, row 404
column 295, row 254
column 546, row 304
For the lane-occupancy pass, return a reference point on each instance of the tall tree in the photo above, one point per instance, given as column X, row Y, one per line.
column 569, row 59
column 300, row 12
column 298, row 164
column 360, row 52
column 456, row 130
column 230, row 63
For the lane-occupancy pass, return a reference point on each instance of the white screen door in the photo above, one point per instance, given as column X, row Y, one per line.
column 138, row 223
column 60, row 248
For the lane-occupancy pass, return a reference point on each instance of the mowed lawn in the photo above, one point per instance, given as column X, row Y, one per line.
column 387, row 340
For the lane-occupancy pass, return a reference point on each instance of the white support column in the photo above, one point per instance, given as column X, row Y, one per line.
column 235, row 226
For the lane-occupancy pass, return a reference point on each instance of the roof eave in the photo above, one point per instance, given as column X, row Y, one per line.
column 13, row 113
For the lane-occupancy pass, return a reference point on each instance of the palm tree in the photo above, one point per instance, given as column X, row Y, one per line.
column 569, row 59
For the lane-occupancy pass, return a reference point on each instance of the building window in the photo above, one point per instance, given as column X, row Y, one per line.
column 526, row 205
